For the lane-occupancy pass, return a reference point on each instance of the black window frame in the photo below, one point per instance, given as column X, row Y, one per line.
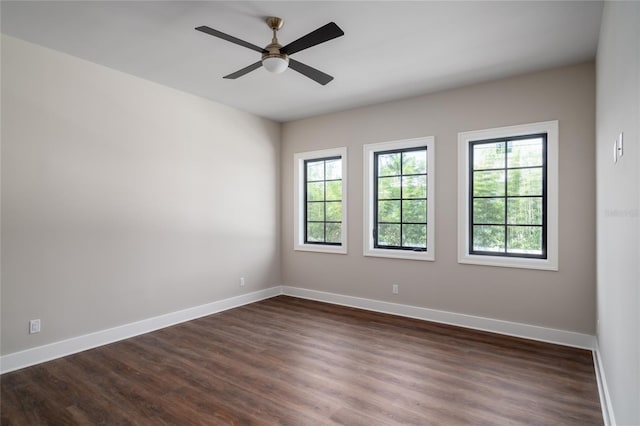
column 324, row 201
column 544, row 225
column 376, row 154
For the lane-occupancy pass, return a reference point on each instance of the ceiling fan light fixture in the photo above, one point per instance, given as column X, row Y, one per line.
column 275, row 63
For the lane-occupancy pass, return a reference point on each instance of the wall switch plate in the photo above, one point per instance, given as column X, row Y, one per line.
column 620, row 143
column 34, row 326
column 241, row 281
column 394, row 289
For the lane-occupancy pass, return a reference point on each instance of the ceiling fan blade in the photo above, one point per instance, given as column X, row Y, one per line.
column 322, row 34
column 227, row 37
column 244, row 71
column 312, row 73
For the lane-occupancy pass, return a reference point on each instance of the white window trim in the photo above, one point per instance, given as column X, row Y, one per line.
column 298, row 201
column 369, row 150
column 464, row 139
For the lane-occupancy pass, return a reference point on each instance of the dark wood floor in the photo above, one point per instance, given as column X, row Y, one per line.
column 298, row 362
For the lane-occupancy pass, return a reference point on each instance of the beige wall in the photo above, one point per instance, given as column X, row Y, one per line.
column 123, row 199
column 618, row 110
column 562, row 300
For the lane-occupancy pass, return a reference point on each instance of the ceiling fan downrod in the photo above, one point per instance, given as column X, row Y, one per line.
column 275, row 24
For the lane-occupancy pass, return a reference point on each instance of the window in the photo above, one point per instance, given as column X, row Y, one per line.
column 320, row 201
column 508, row 196
column 323, row 201
column 399, row 202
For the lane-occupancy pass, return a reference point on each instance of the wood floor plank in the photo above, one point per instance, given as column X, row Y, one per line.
column 298, row 362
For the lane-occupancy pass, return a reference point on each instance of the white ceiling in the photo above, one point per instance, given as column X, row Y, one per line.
column 390, row 50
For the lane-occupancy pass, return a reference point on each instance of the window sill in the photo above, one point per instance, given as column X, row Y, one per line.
column 400, row 254
column 509, row 262
column 320, row 248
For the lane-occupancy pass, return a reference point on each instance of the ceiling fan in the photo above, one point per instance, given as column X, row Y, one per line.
column 275, row 57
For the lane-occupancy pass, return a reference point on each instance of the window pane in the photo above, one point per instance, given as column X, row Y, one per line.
column 389, row 164
column 315, row 191
column 524, row 211
column 334, row 211
column 315, row 171
column 389, row 235
column 389, row 211
column 488, row 210
column 414, row 162
column 524, row 182
column 334, row 190
column 414, row 211
column 334, row 169
column 525, row 239
column 414, row 186
column 334, row 233
column 488, row 183
column 527, row 152
column 315, row 232
column 414, row 236
column 315, row 212
column 388, row 188
column 488, row 156
column 488, row 238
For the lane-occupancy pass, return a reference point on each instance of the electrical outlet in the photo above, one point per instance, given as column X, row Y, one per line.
column 34, row 326
column 241, row 281
column 395, row 289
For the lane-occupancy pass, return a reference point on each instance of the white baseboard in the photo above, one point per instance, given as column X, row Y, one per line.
column 550, row 335
column 603, row 390
column 28, row 357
